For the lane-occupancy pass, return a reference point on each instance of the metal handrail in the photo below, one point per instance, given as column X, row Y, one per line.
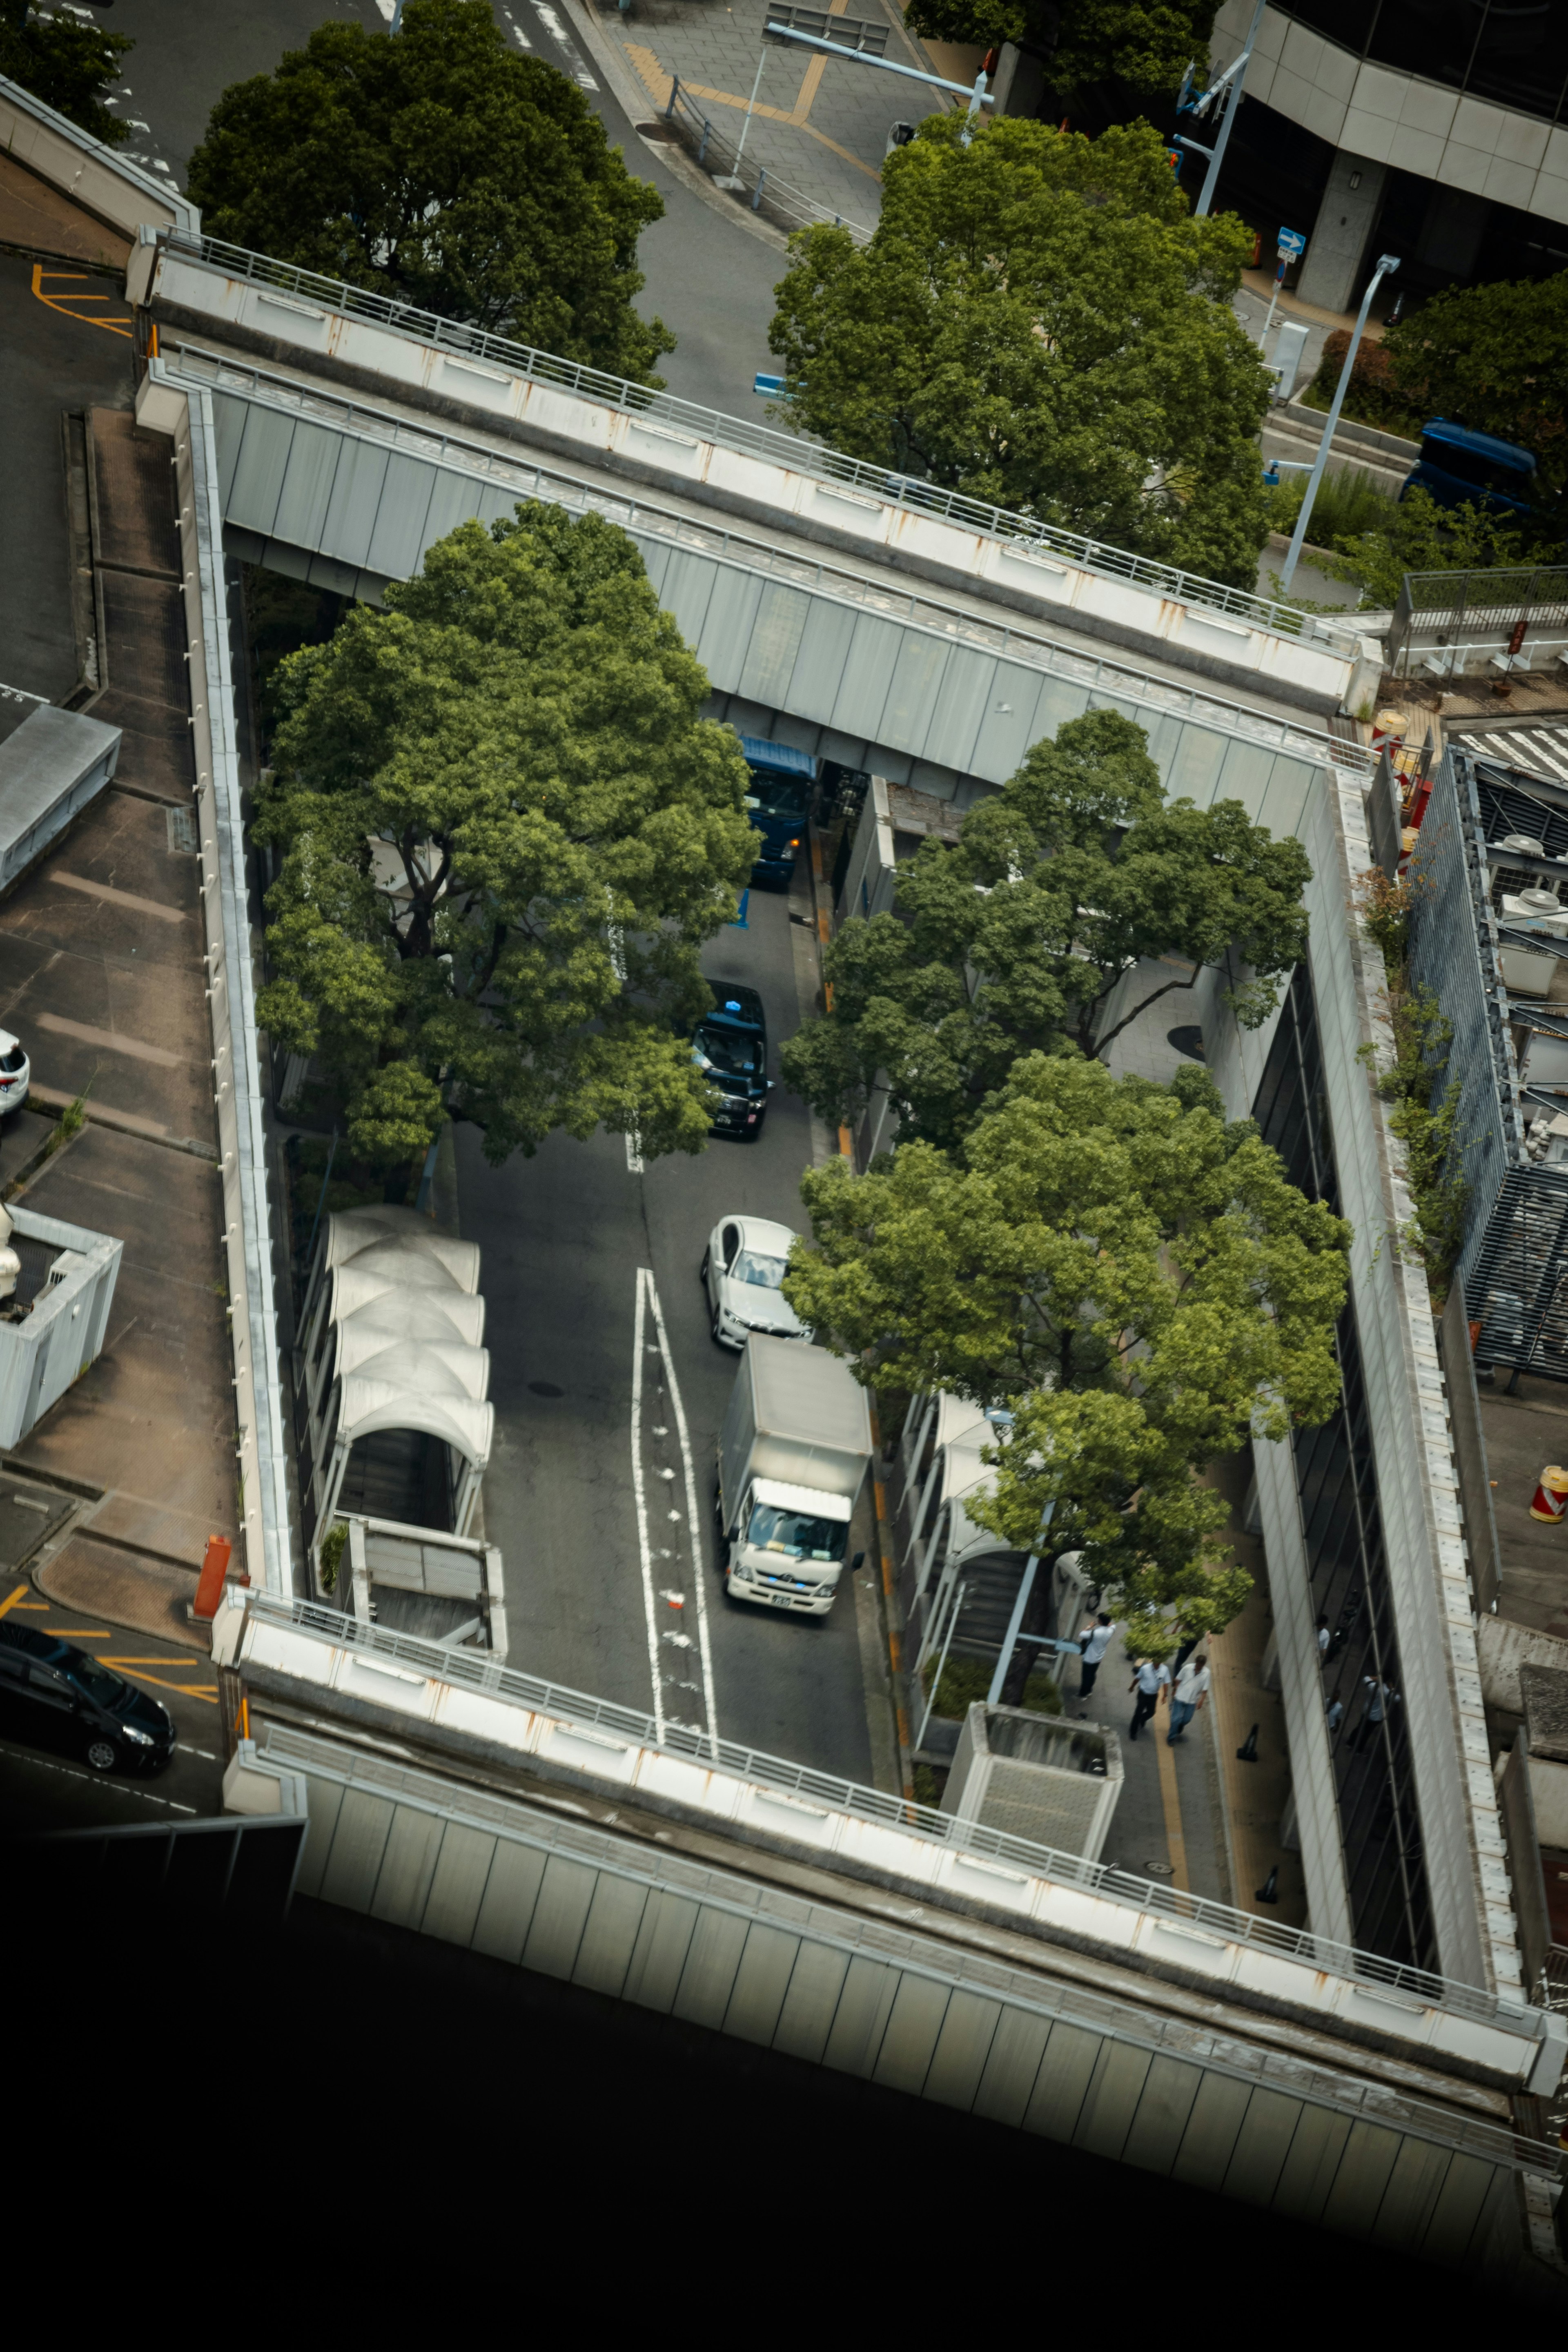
column 781, row 448
column 477, row 1671
column 528, row 477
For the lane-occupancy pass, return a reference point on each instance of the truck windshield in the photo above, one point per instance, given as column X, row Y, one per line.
column 796, row 1533
column 1475, row 466
column 787, row 796
column 734, row 1052
column 750, row 1266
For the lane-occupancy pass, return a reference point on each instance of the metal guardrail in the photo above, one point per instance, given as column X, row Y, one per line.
column 779, row 448
column 471, row 1671
column 723, row 158
column 533, row 479
column 1461, row 608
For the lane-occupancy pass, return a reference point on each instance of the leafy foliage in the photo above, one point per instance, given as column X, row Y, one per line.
column 67, row 63
column 1426, row 1101
column 1420, row 535
column 443, row 170
column 1011, row 942
column 1494, row 357
column 506, row 831
column 1147, row 48
column 1039, row 321
column 1135, row 1280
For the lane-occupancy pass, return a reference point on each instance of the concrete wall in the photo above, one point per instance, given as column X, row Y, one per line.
column 106, row 184
column 788, row 1972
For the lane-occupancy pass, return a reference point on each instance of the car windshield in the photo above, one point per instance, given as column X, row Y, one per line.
column 752, row 1265
column 97, row 1681
column 736, row 1052
column 780, row 795
column 796, row 1533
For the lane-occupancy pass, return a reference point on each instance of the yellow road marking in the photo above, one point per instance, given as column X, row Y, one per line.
column 63, row 302
column 1170, row 1798
column 657, row 84
column 12, row 1599
column 190, row 1690
column 74, row 1632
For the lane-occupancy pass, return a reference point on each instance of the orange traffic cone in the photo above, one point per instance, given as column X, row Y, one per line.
column 1550, row 1495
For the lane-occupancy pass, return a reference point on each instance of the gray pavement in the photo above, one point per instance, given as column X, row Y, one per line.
column 563, row 1237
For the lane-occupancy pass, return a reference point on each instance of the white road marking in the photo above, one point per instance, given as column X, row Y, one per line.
column 563, row 42
column 698, row 1577
column 519, row 37
column 115, row 1787
column 643, row 1553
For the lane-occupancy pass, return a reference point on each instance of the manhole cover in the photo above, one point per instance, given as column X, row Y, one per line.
column 544, row 1388
column 1159, row 1869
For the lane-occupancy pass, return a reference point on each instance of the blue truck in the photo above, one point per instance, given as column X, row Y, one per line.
column 778, row 804
column 1459, row 467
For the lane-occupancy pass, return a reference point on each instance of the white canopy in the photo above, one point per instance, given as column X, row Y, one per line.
column 370, row 1403
column 412, row 1363
column 403, row 1268
column 357, row 1288
column 355, row 1232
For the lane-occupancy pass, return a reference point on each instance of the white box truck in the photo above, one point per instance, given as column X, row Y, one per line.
column 792, row 1459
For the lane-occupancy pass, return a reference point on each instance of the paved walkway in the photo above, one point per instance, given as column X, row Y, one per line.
column 820, row 124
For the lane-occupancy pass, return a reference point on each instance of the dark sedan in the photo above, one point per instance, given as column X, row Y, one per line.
column 53, row 1694
column 731, row 1048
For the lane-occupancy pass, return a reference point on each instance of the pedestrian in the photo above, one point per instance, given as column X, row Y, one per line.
column 1151, row 1679
column 1380, row 1700
column 1336, row 1715
column 1323, row 1639
column 1093, row 1643
column 1193, row 1681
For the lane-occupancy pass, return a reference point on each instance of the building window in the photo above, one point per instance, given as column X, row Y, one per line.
column 1513, row 52
column 1379, row 1824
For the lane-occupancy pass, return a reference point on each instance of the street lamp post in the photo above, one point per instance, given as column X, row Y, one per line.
column 978, row 97
column 1385, row 267
column 1227, row 88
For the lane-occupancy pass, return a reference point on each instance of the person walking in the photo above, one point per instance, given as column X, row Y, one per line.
column 1093, row 1643
column 1149, row 1681
column 1378, row 1704
column 1192, row 1689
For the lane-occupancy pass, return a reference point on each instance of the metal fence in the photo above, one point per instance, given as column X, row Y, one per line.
column 760, row 190
column 797, row 453
column 473, row 1671
column 646, row 519
column 1442, row 609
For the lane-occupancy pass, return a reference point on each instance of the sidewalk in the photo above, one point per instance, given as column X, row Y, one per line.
column 820, row 123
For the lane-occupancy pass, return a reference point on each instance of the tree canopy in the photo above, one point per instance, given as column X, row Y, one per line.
column 1146, row 47
column 1494, row 357
column 1039, row 320
column 442, row 169
column 1012, row 941
column 1135, row 1280
column 1418, row 535
column 505, row 833
column 68, row 63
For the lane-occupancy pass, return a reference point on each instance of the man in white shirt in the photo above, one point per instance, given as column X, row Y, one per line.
column 1093, row 1643
column 1149, row 1681
column 1191, row 1690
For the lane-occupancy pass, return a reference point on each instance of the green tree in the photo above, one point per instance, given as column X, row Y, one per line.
column 1494, row 357
column 1012, row 941
column 1082, row 42
column 1135, row 1280
column 443, row 170
column 1038, row 320
column 1420, row 535
column 67, row 63
column 505, row 833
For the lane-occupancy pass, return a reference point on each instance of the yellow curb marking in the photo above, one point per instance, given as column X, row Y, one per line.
column 657, row 84
column 1170, row 1797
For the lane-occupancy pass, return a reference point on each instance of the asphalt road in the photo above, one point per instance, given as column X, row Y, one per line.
column 564, row 1237
column 709, row 280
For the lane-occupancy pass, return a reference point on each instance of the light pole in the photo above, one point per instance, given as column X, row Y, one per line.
column 1228, row 87
column 1385, row 268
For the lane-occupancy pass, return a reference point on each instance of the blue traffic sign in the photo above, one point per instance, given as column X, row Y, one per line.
column 1292, row 245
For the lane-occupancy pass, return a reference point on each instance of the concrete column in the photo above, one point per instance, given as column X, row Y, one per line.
column 1020, row 82
column 1346, row 218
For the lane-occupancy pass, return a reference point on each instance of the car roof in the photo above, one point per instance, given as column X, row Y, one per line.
column 736, row 1006
column 1481, row 444
column 764, row 1234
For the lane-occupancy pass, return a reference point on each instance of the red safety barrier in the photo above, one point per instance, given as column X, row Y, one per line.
column 214, row 1567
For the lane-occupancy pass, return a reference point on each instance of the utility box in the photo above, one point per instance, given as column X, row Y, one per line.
column 1037, row 1776
column 50, row 768
column 53, row 1329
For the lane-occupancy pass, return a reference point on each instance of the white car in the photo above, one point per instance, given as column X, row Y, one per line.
column 742, row 1266
column 16, row 1074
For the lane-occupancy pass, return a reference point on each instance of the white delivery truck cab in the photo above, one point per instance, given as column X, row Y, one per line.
column 792, row 1459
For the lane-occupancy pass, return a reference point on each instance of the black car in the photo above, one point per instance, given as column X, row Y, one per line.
column 730, row 1046
column 52, row 1695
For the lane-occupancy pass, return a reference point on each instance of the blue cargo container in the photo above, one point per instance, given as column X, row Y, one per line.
column 778, row 804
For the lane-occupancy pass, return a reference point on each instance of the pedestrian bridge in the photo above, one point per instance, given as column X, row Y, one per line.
column 349, row 442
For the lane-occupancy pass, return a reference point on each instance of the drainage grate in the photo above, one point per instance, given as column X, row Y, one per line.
column 182, row 831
